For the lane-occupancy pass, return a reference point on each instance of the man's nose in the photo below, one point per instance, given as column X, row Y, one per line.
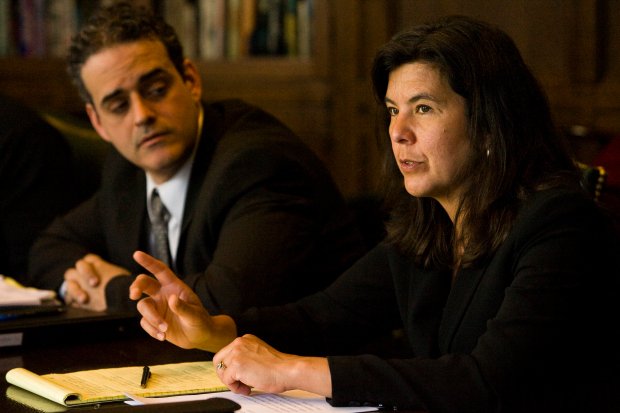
column 143, row 113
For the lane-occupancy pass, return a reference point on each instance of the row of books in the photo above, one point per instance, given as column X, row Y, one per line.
column 36, row 28
column 216, row 29
column 208, row 29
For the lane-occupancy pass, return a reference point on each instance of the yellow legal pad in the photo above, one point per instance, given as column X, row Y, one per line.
column 106, row 385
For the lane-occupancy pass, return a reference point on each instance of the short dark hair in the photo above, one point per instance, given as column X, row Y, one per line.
column 516, row 148
column 116, row 24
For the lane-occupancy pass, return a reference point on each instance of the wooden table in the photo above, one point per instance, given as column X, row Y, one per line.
column 82, row 340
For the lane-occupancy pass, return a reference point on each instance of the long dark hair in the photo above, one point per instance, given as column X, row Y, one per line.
column 116, row 24
column 516, row 148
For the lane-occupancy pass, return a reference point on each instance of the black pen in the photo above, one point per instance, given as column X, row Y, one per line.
column 146, row 374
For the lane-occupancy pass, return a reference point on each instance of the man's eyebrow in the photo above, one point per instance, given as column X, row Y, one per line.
column 142, row 79
column 158, row 71
column 111, row 96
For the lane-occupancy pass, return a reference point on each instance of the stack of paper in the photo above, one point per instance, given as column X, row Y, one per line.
column 13, row 293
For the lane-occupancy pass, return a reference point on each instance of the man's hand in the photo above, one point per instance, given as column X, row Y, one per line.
column 86, row 282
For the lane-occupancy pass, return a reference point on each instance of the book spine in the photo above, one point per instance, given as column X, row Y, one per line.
column 233, row 28
column 247, row 24
column 211, row 28
column 275, row 30
column 5, row 27
column 31, row 28
column 290, row 28
column 182, row 16
column 304, row 28
column 60, row 24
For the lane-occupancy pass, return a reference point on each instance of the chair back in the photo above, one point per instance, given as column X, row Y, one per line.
column 593, row 179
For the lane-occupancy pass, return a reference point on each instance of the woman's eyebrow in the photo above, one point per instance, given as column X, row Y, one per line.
column 415, row 98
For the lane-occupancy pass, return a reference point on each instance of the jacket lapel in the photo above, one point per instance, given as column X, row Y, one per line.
column 204, row 153
column 461, row 295
column 130, row 215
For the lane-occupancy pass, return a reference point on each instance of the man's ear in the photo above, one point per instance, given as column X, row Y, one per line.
column 94, row 120
column 192, row 80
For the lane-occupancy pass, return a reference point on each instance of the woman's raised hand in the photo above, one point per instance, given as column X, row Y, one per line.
column 172, row 311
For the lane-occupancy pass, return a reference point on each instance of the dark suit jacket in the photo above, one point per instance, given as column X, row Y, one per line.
column 263, row 221
column 533, row 329
column 37, row 182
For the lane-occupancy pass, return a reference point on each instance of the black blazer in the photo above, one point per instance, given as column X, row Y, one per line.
column 37, row 182
column 532, row 330
column 263, row 221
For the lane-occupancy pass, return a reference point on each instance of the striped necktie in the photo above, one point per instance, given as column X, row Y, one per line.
column 159, row 229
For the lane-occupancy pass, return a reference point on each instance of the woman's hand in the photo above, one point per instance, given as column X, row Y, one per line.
column 250, row 363
column 172, row 311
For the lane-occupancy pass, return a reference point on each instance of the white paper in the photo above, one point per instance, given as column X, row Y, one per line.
column 294, row 401
column 13, row 293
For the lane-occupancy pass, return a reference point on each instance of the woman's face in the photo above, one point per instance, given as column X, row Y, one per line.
column 428, row 132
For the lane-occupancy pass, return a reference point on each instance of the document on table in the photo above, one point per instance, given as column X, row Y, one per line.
column 111, row 384
column 17, row 300
column 12, row 293
column 294, row 401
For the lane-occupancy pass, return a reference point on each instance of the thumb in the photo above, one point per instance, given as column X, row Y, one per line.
column 92, row 258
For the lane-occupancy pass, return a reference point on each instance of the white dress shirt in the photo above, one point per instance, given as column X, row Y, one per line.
column 173, row 193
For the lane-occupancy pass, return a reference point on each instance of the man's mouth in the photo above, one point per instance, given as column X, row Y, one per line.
column 150, row 138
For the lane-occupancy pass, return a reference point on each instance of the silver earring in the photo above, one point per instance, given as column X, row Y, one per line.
column 488, row 152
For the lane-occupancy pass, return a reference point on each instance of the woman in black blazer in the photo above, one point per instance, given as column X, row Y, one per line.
column 501, row 271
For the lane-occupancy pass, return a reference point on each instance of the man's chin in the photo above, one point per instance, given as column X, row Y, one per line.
column 162, row 171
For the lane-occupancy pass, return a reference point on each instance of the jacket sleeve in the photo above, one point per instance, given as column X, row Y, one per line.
column 358, row 307
column 109, row 224
column 66, row 240
column 275, row 232
column 37, row 183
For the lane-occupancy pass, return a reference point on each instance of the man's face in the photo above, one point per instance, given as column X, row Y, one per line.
column 143, row 106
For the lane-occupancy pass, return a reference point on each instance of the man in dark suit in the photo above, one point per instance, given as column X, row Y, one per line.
column 36, row 182
column 250, row 215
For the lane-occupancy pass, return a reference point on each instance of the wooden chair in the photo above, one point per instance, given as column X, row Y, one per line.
column 89, row 150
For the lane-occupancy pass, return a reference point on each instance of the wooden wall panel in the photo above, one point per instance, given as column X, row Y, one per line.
column 358, row 28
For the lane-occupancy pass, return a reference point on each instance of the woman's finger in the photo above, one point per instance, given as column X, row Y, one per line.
column 155, row 267
column 152, row 330
column 238, row 387
column 147, row 307
column 143, row 284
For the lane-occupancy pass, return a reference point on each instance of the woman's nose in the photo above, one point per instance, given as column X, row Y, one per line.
column 400, row 130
